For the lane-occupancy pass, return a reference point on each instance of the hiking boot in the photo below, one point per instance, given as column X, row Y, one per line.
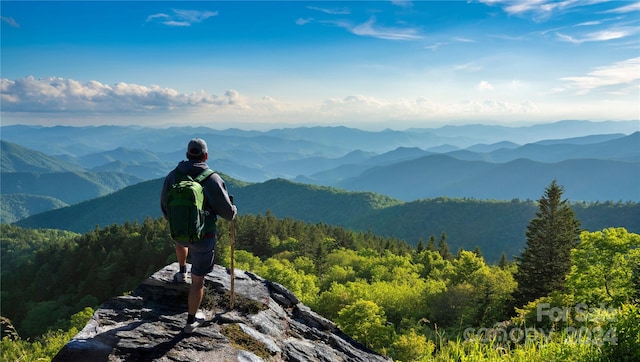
column 179, row 278
column 190, row 327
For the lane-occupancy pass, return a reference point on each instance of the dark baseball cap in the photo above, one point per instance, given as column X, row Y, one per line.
column 197, row 148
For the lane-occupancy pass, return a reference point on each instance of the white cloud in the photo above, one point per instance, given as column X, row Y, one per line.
column 422, row 108
column 42, row 101
column 181, row 17
column 484, row 86
column 621, row 73
column 67, row 95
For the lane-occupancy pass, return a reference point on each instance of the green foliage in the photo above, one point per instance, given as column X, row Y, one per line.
column 627, row 334
column 365, row 321
column 602, row 267
column 411, row 347
column 74, row 272
column 539, row 312
column 283, row 271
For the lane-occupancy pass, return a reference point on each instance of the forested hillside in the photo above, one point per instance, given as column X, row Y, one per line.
column 16, row 158
column 494, row 226
column 32, row 182
column 19, row 206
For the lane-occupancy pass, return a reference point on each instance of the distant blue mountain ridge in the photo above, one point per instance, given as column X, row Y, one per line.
column 475, row 161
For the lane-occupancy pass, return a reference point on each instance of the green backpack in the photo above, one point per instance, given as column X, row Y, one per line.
column 185, row 207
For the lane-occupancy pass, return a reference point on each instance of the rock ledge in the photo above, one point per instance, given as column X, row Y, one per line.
column 268, row 323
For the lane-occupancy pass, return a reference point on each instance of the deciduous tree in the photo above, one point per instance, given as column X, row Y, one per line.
column 602, row 270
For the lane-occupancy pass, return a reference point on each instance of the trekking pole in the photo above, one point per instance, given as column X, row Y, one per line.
column 232, row 232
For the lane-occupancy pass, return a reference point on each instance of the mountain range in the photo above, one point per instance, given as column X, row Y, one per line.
column 475, row 161
column 74, row 178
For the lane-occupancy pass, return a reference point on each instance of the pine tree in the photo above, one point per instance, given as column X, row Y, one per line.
column 502, row 263
column 431, row 244
column 551, row 235
column 477, row 251
column 443, row 247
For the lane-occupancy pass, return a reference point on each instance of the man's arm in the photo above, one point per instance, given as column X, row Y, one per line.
column 218, row 197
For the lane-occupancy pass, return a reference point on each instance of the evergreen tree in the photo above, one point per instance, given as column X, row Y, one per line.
column 477, row 251
column 551, row 235
column 503, row 261
column 431, row 244
column 443, row 247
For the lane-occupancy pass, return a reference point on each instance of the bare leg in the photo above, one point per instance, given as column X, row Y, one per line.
column 196, row 292
column 181, row 254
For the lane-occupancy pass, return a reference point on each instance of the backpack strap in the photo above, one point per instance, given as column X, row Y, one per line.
column 203, row 175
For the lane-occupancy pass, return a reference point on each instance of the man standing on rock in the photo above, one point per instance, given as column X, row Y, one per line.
column 216, row 202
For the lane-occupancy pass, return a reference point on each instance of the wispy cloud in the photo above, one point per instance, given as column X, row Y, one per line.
column 402, row 3
column 539, row 10
column 333, row 11
column 371, row 29
column 455, row 40
column 589, row 23
column 303, row 21
column 436, row 46
column 11, row 21
column 468, row 67
column 602, row 35
column 618, row 74
column 181, row 17
column 464, row 40
column 635, row 6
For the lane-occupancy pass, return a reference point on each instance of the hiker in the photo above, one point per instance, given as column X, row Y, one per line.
column 216, row 202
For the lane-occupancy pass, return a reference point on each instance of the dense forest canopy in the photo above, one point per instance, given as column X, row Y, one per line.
column 403, row 301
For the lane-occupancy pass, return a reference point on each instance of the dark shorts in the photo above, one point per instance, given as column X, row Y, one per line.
column 202, row 253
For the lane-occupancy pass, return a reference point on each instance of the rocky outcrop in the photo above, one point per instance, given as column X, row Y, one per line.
column 267, row 323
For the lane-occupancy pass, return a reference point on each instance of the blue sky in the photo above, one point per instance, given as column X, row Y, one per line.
column 264, row 64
